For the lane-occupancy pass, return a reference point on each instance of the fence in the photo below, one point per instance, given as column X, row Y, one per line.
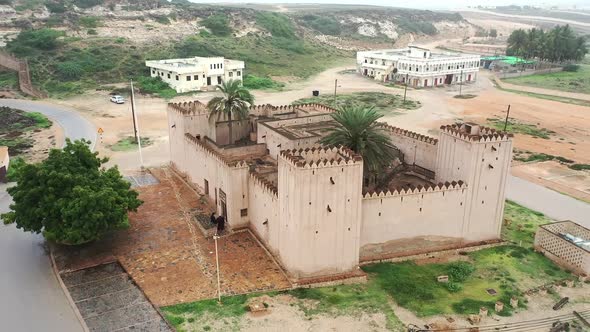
column 24, row 76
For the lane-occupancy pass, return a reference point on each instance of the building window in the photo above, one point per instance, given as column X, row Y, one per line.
column 196, row 77
column 231, row 74
column 168, row 75
column 221, row 65
column 211, row 66
column 188, row 78
column 239, row 73
column 153, row 71
column 244, row 212
column 177, row 78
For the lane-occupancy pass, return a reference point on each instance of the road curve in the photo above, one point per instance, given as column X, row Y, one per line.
column 31, row 298
column 74, row 125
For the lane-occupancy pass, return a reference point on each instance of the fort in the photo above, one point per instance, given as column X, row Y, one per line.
column 309, row 205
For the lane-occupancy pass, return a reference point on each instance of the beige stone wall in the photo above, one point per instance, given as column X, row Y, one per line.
column 416, row 213
column 263, row 211
column 483, row 163
column 276, row 142
column 416, row 148
column 4, row 157
column 319, row 215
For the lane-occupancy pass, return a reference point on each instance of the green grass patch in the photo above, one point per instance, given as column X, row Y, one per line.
column 337, row 300
column 384, row 103
column 568, row 81
column 8, row 79
column 128, row 143
column 521, row 224
column 255, row 82
column 508, row 270
column 517, row 127
column 527, row 156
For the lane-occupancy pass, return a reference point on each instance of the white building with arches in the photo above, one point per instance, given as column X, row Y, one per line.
column 418, row 66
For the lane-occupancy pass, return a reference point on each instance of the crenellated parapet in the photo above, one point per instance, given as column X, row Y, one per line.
column 317, row 157
column 412, row 190
column 475, row 133
column 267, row 186
column 189, row 108
column 211, row 152
column 407, row 133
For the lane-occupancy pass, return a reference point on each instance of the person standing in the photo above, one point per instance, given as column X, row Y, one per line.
column 220, row 224
column 213, row 219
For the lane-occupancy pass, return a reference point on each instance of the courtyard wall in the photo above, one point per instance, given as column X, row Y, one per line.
column 436, row 211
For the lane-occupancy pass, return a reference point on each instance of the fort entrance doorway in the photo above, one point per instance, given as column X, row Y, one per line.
column 449, row 79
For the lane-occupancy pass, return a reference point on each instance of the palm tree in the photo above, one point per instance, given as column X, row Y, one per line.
column 359, row 131
column 236, row 101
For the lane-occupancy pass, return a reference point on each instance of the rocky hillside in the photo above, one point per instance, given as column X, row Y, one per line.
column 94, row 42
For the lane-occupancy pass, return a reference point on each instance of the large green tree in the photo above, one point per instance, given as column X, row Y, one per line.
column 70, row 197
column 359, row 130
column 235, row 103
column 559, row 44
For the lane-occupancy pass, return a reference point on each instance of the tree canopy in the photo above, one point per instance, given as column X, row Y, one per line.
column 359, row 130
column 236, row 102
column 559, row 44
column 69, row 197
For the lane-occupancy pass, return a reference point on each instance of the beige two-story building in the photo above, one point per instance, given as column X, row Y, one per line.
column 309, row 204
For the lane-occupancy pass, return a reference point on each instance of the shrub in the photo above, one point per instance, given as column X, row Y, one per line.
column 28, row 41
column 56, row 7
column 155, row 85
column 89, row 21
column 325, row 25
column 87, row 3
column 454, row 287
column 277, row 24
column 571, row 68
column 162, row 19
column 291, row 45
column 460, row 271
column 92, row 32
column 70, row 70
column 218, row 24
column 255, row 82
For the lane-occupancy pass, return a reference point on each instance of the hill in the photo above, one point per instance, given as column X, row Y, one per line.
column 73, row 45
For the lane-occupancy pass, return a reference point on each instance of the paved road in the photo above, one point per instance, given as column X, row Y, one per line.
column 74, row 125
column 30, row 296
column 551, row 203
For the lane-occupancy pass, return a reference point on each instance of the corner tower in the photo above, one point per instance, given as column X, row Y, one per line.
column 320, row 193
column 481, row 157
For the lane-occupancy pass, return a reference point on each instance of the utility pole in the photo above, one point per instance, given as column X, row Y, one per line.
column 335, row 86
column 406, row 88
column 507, row 115
column 215, row 237
column 461, row 83
column 136, row 125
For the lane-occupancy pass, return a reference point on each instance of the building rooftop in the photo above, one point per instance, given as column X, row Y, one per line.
column 318, row 126
column 191, row 64
column 405, row 53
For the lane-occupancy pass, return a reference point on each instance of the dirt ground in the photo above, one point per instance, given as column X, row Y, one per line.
column 169, row 258
column 570, row 140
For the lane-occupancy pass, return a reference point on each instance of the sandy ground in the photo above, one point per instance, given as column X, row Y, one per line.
column 285, row 314
column 556, row 176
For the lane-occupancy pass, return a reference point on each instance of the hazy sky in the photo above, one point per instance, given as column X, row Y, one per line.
column 424, row 4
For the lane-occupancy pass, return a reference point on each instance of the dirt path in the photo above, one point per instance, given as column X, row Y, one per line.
column 573, row 95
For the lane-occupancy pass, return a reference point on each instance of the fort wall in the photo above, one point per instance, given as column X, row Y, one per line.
column 319, row 211
column 436, row 211
column 263, row 211
column 417, row 149
column 224, row 182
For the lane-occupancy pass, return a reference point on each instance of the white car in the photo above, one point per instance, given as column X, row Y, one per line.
column 117, row 99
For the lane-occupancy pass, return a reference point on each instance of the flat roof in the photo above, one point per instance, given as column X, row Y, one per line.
column 404, row 53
